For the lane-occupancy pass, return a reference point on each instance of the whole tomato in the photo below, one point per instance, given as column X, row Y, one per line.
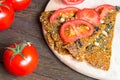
column 20, row 58
column 20, row 4
column 6, row 15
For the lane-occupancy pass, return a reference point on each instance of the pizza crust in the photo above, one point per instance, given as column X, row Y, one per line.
column 83, row 67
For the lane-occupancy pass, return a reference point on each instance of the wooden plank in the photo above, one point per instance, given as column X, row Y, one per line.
column 26, row 26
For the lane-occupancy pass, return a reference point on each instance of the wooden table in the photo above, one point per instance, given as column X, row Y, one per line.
column 26, row 26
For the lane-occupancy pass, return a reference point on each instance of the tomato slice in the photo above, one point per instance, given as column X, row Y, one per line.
column 73, row 2
column 62, row 14
column 72, row 30
column 103, row 10
column 89, row 15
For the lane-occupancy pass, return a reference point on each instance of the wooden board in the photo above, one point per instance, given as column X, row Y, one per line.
column 83, row 67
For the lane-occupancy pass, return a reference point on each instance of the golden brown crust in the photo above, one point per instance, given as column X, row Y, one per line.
column 96, row 49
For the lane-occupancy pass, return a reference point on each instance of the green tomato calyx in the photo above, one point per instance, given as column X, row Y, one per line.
column 17, row 50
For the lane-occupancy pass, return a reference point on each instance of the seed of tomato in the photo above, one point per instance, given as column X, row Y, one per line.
column 72, row 30
column 63, row 13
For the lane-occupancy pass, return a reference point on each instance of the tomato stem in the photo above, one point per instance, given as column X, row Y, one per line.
column 17, row 50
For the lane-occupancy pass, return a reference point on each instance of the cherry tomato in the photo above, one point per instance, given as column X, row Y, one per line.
column 6, row 15
column 72, row 30
column 104, row 9
column 89, row 15
column 20, row 4
column 63, row 13
column 20, row 58
column 73, row 2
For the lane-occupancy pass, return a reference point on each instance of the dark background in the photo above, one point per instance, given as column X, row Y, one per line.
column 26, row 26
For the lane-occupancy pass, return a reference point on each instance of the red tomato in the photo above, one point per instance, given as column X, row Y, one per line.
column 72, row 30
column 6, row 15
column 71, row 2
column 63, row 13
column 20, row 58
column 20, row 4
column 103, row 10
column 89, row 15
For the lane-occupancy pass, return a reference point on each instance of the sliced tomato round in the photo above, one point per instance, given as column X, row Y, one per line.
column 63, row 14
column 73, row 2
column 103, row 10
column 72, row 30
column 89, row 15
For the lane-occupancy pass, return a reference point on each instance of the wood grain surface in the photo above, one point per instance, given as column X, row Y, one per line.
column 26, row 26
